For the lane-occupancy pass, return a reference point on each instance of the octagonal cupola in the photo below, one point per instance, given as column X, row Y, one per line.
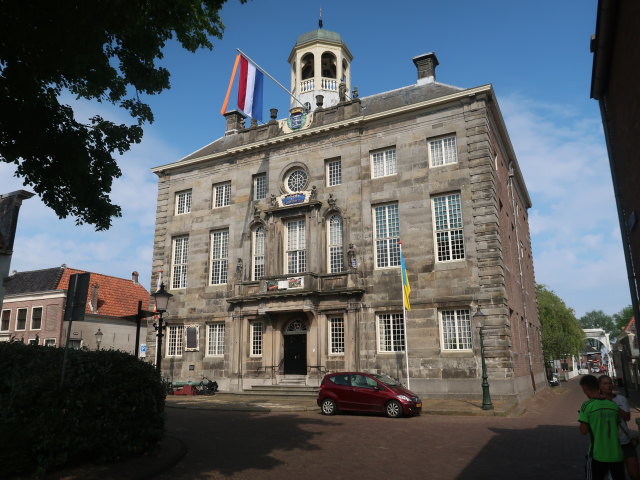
column 320, row 61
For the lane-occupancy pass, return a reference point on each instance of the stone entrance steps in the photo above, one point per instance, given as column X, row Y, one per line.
column 289, row 385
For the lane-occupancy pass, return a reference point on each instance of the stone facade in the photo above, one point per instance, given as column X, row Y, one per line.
column 246, row 331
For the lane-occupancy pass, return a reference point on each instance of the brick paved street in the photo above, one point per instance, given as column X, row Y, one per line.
column 543, row 443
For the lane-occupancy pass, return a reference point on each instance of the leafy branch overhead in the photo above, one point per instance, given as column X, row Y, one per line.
column 98, row 50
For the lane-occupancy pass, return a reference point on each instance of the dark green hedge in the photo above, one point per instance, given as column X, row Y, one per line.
column 110, row 406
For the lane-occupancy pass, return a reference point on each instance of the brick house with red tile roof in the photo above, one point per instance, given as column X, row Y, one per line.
column 33, row 309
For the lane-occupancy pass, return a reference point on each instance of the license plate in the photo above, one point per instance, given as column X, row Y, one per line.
column 418, row 405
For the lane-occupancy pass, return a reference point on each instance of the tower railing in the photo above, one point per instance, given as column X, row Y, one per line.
column 329, row 84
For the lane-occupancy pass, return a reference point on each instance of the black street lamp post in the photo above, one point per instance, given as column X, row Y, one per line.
column 486, row 394
column 161, row 298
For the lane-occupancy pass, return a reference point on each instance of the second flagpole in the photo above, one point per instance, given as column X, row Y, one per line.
column 404, row 323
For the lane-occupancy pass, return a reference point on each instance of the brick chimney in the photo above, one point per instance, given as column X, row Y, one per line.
column 134, row 278
column 426, row 65
column 235, row 122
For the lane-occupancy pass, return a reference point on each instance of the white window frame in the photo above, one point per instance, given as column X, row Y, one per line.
column 386, row 236
column 302, row 186
column 179, row 259
column 443, row 151
column 221, row 195
column 33, row 341
column 183, row 202
column 395, row 328
column 336, row 335
column 260, row 186
column 384, row 163
column 175, row 341
column 47, row 343
column 455, row 330
column 256, row 335
column 41, row 317
column 219, row 258
column 333, row 172
column 335, row 244
column 448, row 227
column 258, row 243
column 295, row 246
column 26, row 311
column 215, row 339
column 8, row 320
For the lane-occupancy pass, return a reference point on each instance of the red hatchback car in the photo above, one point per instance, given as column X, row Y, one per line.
column 365, row 392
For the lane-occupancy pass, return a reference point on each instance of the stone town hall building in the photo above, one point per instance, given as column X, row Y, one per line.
column 279, row 242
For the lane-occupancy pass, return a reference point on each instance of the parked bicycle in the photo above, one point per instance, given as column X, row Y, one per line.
column 207, row 388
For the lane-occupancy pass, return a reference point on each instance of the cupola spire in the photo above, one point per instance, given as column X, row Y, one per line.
column 320, row 20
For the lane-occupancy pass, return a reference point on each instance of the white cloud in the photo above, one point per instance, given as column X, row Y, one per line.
column 574, row 227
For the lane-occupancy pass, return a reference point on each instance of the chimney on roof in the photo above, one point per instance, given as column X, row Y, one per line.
column 426, row 65
column 64, row 265
column 94, row 298
column 134, row 278
column 235, row 122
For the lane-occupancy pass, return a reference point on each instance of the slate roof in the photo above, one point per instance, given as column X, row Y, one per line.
column 33, row 281
column 117, row 297
column 401, row 97
column 370, row 105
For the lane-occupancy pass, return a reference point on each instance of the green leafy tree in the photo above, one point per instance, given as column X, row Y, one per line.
column 104, row 51
column 621, row 319
column 561, row 333
column 599, row 319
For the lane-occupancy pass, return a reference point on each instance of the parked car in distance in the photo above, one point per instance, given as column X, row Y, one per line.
column 365, row 392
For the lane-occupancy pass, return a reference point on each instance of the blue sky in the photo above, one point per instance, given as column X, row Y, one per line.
column 536, row 55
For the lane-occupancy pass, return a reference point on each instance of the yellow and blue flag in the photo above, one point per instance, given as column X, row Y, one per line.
column 406, row 287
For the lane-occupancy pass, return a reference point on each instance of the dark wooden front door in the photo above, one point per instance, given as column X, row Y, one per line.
column 295, row 354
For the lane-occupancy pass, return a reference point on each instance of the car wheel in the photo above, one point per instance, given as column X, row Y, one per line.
column 393, row 409
column 328, row 407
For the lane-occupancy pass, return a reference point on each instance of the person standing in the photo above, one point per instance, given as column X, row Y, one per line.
column 599, row 419
column 628, row 449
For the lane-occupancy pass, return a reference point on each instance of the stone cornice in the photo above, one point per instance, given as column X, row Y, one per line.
column 313, row 131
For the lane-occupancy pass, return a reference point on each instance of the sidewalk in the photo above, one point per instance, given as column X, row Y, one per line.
column 263, row 403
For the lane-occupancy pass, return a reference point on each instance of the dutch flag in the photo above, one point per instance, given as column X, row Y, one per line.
column 250, row 89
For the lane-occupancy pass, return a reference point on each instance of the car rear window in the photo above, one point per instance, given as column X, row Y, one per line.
column 341, row 380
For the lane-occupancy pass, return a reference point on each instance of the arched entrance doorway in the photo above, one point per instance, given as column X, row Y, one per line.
column 295, row 348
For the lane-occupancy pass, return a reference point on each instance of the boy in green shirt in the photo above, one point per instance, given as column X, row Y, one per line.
column 599, row 417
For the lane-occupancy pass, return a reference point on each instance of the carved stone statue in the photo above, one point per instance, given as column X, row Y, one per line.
column 351, row 255
column 355, row 92
column 239, row 268
column 274, row 201
column 256, row 213
column 314, row 193
column 342, row 92
column 331, row 201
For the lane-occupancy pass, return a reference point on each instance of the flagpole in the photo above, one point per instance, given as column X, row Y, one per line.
column 404, row 322
column 263, row 71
